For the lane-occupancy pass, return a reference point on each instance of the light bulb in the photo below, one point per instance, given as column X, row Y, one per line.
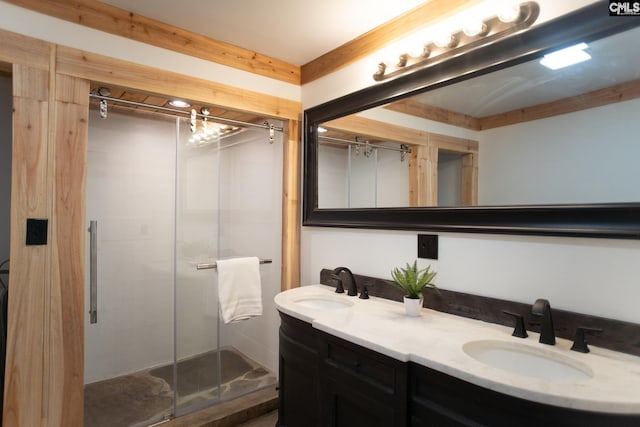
column 445, row 39
column 474, row 28
column 509, row 12
column 179, row 103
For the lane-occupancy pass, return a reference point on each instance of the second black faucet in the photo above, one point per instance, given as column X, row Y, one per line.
column 542, row 308
column 353, row 289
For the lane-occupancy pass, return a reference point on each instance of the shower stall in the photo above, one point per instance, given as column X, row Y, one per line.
column 163, row 198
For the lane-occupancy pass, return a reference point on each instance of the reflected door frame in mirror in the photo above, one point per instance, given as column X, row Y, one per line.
column 606, row 220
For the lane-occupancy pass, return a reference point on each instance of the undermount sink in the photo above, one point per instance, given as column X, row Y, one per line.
column 324, row 302
column 527, row 360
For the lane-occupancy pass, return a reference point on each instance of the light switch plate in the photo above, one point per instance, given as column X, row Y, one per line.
column 428, row 246
column 37, row 231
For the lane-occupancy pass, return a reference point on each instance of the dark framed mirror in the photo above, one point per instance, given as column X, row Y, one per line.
column 594, row 195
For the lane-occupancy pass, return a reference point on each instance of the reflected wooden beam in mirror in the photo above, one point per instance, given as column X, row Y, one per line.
column 617, row 93
column 377, row 130
column 431, row 112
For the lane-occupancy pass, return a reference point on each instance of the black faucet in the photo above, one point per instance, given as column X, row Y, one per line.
column 353, row 289
column 542, row 308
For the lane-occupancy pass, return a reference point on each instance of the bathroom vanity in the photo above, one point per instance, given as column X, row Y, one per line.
column 345, row 361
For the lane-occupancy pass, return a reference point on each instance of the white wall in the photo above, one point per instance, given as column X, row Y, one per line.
column 594, row 276
column 572, row 158
column 363, row 180
column 333, row 175
column 449, row 179
column 5, row 164
column 393, row 176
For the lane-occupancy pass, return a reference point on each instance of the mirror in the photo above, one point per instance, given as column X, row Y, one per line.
column 489, row 141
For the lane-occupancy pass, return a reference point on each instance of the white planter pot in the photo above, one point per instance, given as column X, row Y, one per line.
column 412, row 306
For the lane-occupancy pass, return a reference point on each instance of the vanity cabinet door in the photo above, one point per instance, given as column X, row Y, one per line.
column 299, row 391
column 347, row 405
column 437, row 399
column 361, row 387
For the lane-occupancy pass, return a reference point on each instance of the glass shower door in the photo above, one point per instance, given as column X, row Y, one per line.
column 198, row 362
column 228, row 205
column 130, row 196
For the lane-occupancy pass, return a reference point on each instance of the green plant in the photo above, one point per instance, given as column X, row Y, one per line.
column 411, row 281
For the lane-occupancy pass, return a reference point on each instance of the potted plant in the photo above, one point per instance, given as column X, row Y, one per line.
column 412, row 281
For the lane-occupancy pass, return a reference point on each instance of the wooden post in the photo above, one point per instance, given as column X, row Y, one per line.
column 24, row 398
column 291, row 207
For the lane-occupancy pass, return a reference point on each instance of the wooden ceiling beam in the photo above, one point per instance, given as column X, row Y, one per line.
column 113, row 20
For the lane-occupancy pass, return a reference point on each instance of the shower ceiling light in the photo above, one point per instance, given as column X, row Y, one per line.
column 470, row 34
column 179, row 103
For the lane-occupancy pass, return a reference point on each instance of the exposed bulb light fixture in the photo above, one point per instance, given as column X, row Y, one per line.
column 460, row 34
column 566, row 57
column 179, row 103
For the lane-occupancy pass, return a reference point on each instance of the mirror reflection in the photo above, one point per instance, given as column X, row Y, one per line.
column 518, row 136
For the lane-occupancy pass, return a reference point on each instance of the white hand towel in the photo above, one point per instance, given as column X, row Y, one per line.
column 239, row 288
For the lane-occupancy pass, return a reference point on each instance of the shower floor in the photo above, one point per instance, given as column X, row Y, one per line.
column 145, row 396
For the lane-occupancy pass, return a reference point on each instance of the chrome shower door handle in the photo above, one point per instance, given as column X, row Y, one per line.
column 93, row 271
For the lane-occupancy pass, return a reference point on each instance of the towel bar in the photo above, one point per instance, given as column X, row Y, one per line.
column 214, row 265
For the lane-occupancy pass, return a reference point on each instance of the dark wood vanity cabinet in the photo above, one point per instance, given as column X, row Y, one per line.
column 438, row 399
column 360, row 387
column 299, row 374
column 326, row 381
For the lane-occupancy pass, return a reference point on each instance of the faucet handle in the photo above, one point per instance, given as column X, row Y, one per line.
column 580, row 340
column 364, row 294
column 339, row 286
column 519, row 331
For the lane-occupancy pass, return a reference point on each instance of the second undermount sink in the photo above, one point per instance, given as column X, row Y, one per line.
column 324, row 302
column 528, row 360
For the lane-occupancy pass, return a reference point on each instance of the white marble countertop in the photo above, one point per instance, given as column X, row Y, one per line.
column 436, row 339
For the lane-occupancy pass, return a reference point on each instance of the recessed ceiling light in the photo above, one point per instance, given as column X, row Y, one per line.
column 565, row 57
column 321, row 129
column 179, row 103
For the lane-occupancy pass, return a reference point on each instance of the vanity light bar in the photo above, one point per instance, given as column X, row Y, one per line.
column 469, row 36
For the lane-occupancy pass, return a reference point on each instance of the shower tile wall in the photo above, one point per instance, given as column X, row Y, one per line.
column 251, row 224
column 130, row 191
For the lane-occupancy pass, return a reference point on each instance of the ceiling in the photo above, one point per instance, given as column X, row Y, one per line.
column 615, row 60
column 294, row 31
